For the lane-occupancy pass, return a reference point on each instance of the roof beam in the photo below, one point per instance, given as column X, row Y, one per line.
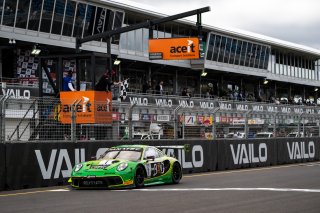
column 148, row 24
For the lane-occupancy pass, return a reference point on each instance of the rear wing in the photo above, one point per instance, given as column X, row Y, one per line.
column 185, row 147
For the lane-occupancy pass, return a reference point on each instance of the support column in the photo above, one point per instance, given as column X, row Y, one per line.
column 78, row 74
column 109, row 54
column 93, row 70
column 59, row 76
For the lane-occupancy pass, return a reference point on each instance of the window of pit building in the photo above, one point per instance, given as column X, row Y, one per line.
column 9, row 12
column 79, row 20
column 216, row 48
column 68, row 18
column 210, row 46
column 46, row 16
column 22, row 13
column 58, row 16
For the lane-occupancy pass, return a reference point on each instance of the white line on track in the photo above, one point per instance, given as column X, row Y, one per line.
column 226, row 189
column 59, row 190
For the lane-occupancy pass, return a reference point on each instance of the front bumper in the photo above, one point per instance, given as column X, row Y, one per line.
column 99, row 182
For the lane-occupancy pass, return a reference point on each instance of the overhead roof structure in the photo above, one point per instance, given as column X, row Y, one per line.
column 148, row 10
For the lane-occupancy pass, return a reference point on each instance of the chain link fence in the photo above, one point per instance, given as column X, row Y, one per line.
column 41, row 120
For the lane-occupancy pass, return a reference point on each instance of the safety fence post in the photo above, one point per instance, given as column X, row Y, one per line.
column 73, row 127
column 299, row 124
column 275, row 124
column 3, row 115
column 175, row 127
column 213, row 122
column 246, row 127
column 130, row 121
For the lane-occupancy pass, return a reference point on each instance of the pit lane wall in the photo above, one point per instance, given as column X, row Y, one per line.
column 30, row 165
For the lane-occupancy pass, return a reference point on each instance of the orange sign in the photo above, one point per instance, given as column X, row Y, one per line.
column 89, row 106
column 174, row 48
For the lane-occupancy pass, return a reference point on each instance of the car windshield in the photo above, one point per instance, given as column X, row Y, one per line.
column 131, row 154
column 292, row 135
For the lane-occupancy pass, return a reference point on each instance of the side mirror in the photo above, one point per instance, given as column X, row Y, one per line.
column 93, row 158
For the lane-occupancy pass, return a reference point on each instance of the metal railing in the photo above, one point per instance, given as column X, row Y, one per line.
column 40, row 120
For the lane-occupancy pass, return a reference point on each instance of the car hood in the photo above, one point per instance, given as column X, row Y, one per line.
column 104, row 163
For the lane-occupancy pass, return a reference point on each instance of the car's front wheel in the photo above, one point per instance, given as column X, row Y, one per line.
column 176, row 173
column 139, row 177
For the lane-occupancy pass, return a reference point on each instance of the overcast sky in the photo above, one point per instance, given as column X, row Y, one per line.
column 295, row 21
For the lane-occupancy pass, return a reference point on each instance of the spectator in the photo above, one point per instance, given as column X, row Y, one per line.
column 67, row 82
column 105, row 83
column 188, row 93
column 159, row 88
column 209, row 93
column 290, row 100
column 184, row 92
column 241, row 96
column 272, row 99
column 146, row 86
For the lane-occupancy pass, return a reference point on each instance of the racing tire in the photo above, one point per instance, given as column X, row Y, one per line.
column 176, row 173
column 139, row 176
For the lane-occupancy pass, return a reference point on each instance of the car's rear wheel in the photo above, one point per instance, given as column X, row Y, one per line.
column 176, row 173
column 139, row 177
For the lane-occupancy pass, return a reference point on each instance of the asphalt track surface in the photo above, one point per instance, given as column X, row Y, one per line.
column 289, row 188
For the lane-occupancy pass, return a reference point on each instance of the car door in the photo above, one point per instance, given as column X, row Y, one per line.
column 155, row 166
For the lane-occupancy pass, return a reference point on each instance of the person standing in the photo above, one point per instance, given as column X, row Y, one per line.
column 184, row 92
column 105, row 83
column 159, row 88
column 67, row 82
column 146, row 86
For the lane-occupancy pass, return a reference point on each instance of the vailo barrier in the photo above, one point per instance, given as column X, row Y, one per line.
column 29, row 165
column 2, row 167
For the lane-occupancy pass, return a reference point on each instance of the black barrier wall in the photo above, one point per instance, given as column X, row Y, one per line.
column 30, row 165
column 2, row 167
column 298, row 150
column 236, row 154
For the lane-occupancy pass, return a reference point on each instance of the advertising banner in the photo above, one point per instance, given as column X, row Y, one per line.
column 298, row 150
column 174, row 48
column 31, row 165
column 236, row 154
column 171, row 102
column 90, row 107
column 2, row 166
column 19, row 92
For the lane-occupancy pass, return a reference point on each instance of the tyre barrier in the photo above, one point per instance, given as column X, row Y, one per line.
column 42, row 164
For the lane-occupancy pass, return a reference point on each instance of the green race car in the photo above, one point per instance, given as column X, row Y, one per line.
column 127, row 166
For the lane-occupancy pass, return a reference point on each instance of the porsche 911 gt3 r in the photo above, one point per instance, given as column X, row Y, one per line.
column 127, row 166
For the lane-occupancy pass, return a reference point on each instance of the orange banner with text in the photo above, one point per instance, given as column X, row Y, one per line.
column 89, row 106
column 174, row 49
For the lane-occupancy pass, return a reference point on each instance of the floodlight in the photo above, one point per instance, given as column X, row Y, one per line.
column 35, row 50
column 116, row 62
column 203, row 73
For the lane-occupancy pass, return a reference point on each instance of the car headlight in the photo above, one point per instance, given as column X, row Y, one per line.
column 122, row 166
column 77, row 167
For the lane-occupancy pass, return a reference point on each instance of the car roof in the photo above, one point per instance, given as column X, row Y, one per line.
column 131, row 146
